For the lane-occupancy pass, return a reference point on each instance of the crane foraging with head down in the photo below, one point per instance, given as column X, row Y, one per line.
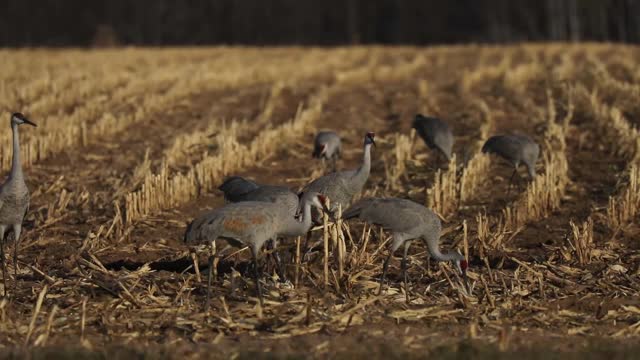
column 239, row 189
column 341, row 186
column 516, row 149
column 327, row 145
column 407, row 221
column 251, row 223
column 14, row 198
column 435, row 133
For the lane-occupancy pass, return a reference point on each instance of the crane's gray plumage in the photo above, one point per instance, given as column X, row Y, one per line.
column 516, row 149
column 407, row 221
column 327, row 146
column 252, row 223
column 14, row 196
column 435, row 133
column 237, row 189
column 341, row 186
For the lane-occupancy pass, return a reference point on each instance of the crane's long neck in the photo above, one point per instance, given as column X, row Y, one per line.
column 362, row 174
column 436, row 254
column 301, row 227
column 16, row 166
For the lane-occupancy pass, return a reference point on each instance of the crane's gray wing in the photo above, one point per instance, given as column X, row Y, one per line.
column 274, row 194
column 395, row 214
column 334, row 186
column 235, row 187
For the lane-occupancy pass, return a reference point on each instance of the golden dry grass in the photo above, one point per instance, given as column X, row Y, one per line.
column 133, row 143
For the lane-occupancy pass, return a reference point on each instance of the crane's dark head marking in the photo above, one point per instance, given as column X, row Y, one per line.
column 319, row 151
column 323, row 149
column 19, row 119
column 324, row 205
column 369, row 138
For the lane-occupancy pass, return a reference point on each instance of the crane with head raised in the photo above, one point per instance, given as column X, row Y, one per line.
column 340, row 187
column 14, row 197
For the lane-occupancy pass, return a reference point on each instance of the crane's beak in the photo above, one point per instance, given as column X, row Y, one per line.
column 325, row 208
column 466, row 282
column 327, row 211
column 27, row 121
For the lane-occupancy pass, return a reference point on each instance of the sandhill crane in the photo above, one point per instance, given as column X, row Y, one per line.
column 14, row 197
column 251, row 223
column 435, row 133
column 407, row 221
column 327, row 146
column 515, row 149
column 341, row 186
column 237, row 189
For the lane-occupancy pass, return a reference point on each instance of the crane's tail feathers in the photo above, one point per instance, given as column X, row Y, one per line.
column 188, row 232
column 352, row 212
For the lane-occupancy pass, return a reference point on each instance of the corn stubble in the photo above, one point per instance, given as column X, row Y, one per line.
column 91, row 299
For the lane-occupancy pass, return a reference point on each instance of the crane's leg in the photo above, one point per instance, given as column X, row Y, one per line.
column 385, row 267
column 404, row 270
column 254, row 253
column 305, row 248
column 278, row 261
column 440, row 160
column 4, row 264
column 515, row 171
column 209, row 276
column 17, row 230
column 334, row 165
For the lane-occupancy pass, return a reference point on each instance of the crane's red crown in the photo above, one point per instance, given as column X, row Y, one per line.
column 464, row 265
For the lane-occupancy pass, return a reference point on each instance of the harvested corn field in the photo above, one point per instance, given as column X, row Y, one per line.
column 132, row 144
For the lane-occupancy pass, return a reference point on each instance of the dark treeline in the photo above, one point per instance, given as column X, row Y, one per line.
column 321, row 22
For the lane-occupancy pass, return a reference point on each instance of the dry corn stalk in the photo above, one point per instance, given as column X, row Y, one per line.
column 477, row 167
column 623, row 137
column 401, row 153
column 582, row 240
column 624, row 208
column 443, row 196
